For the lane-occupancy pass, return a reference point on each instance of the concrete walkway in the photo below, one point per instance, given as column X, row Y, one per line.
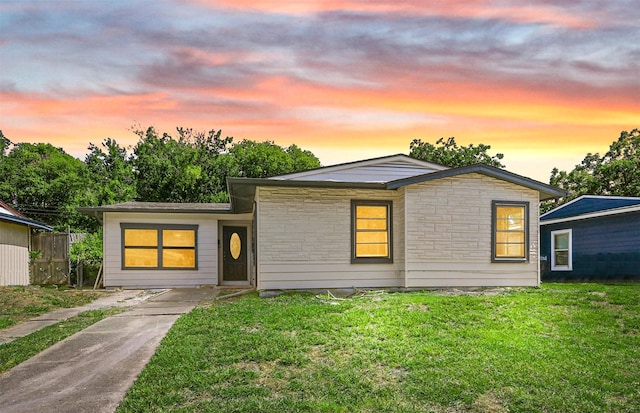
column 122, row 298
column 92, row 370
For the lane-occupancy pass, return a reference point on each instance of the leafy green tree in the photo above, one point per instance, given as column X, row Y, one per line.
column 194, row 166
column 189, row 168
column 448, row 153
column 166, row 169
column 112, row 176
column 265, row 159
column 4, row 144
column 616, row 173
column 303, row 160
column 215, row 163
column 43, row 182
column 619, row 170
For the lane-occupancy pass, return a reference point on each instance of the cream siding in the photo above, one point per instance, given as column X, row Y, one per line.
column 14, row 254
column 449, row 233
column 207, row 250
column 304, row 239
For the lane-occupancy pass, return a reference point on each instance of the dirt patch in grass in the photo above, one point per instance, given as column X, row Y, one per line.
column 488, row 403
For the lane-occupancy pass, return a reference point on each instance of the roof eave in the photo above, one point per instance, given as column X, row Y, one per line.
column 98, row 212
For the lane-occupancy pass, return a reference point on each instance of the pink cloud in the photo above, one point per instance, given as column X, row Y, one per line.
column 517, row 13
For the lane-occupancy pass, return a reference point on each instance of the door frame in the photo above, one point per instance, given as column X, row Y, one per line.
column 250, row 252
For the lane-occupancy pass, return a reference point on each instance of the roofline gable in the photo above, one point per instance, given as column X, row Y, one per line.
column 546, row 191
column 366, row 162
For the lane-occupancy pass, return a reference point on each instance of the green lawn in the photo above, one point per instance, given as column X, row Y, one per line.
column 560, row 348
column 21, row 303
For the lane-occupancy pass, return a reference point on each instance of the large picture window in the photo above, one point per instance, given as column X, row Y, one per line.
column 371, row 232
column 147, row 246
column 510, row 231
column 561, row 254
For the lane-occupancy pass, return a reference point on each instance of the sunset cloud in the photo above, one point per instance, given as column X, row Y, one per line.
column 331, row 76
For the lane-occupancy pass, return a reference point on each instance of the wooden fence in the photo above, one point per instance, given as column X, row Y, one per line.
column 52, row 266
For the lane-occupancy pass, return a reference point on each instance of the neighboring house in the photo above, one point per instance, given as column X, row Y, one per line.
column 15, row 241
column 386, row 222
column 591, row 238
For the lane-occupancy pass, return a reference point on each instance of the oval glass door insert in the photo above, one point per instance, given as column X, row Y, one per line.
column 235, row 245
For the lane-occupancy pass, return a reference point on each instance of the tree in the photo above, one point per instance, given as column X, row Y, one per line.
column 43, row 182
column 452, row 155
column 194, row 166
column 212, row 155
column 5, row 143
column 265, row 159
column 112, row 176
column 616, row 173
column 166, row 169
column 303, row 160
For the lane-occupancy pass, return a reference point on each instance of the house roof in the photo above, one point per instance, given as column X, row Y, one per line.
column 384, row 169
column 590, row 206
column 187, row 207
column 157, row 207
column 8, row 214
column 242, row 190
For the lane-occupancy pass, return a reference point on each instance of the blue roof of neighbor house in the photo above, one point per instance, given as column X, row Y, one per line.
column 24, row 221
column 588, row 204
column 10, row 214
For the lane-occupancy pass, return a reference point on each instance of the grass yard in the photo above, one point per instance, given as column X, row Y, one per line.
column 560, row 348
column 21, row 303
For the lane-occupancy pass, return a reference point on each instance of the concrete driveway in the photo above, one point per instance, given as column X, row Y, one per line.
column 91, row 370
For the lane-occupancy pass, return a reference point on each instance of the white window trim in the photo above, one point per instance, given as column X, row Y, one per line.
column 555, row 267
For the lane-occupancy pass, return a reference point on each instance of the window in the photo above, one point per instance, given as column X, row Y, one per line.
column 371, row 232
column 561, row 254
column 148, row 246
column 510, row 231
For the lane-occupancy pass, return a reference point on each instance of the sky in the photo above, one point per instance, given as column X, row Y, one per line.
column 543, row 82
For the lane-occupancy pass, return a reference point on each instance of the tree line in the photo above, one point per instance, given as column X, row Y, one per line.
column 47, row 184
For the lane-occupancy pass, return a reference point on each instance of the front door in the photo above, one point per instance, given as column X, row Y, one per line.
column 234, row 255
